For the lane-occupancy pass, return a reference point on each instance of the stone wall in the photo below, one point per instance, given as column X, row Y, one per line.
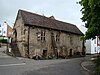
column 66, row 43
column 19, row 26
column 29, row 41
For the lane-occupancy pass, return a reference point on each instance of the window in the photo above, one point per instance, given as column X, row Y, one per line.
column 52, row 34
column 38, row 36
column 15, row 32
column 41, row 36
column 4, row 32
column 71, row 40
column 57, row 37
column 94, row 41
column 95, row 49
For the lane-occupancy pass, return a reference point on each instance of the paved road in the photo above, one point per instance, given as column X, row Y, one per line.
column 3, row 48
column 68, row 67
column 23, row 66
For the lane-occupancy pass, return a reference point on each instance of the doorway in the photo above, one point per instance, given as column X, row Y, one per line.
column 44, row 53
column 70, row 53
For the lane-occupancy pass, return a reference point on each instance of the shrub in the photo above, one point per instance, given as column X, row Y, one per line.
column 97, row 65
column 3, row 40
column 97, row 70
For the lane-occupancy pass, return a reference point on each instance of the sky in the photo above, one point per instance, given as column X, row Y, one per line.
column 63, row 10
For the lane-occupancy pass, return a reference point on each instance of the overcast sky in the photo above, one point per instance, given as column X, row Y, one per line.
column 63, row 10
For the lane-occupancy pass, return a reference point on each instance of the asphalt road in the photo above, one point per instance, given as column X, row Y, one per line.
column 23, row 66
column 68, row 67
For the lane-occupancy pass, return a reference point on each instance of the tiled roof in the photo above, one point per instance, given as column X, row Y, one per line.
column 42, row 21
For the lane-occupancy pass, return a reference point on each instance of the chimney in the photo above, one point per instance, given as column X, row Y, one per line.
column 52, row 17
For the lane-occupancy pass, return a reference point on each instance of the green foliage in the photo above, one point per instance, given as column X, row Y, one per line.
column 91, row 17
column 3, row 40
column 82, row 38
column 97, row 71
column 97, row 61
column 97, row 65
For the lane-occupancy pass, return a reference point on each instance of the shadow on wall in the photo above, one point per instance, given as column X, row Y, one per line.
column 15, row 50
column 14, row 45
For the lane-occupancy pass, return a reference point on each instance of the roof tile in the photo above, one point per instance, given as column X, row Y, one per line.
column 42, row 21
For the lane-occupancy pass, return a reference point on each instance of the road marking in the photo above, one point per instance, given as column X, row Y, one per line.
column 13, row 64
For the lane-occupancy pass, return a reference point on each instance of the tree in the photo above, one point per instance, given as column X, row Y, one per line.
column 91, row 17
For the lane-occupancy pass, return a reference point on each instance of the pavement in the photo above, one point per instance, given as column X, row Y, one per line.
column 4, row 55
column 88, row 65
column 24, row 66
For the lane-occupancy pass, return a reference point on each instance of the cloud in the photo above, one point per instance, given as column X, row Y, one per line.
column 66, row 10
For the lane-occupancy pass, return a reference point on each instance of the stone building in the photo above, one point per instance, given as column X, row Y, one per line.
column 45, row 37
